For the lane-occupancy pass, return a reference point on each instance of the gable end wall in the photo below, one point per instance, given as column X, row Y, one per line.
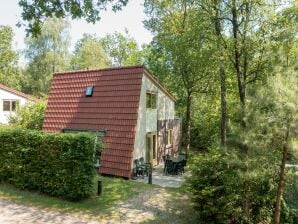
column 148, row 118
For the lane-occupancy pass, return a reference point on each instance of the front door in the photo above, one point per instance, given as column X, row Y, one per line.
column 151, row 148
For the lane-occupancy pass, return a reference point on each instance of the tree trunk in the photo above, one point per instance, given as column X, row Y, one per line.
column 222, row 76
column 187, row 137
column 281, row 183
column 239, row 73
column 223, row 123
column 237, row 56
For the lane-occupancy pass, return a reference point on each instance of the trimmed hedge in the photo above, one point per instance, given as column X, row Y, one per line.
column 59, row 164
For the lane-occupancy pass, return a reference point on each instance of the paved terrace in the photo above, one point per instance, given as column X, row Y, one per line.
column 159, row 178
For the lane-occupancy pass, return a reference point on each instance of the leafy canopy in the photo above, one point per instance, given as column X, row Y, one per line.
column 89, row 54
column 35, row 12
column 9, row 72
column 46, row 54
column 121, row 49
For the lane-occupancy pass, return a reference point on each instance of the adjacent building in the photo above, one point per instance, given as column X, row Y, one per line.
column 10, row 99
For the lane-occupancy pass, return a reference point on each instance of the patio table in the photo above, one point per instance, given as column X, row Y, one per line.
column 175, row 164
column 177, row 159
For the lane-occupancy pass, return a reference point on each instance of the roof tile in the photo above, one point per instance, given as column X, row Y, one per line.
column 113, row 106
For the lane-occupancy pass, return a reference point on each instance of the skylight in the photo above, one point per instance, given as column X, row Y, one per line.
column 89, row 91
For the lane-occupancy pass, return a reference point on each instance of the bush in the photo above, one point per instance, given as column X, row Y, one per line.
column 30, row 116
column 205, row 123
column 291, row 195
column 229, row 189
column 56, row 164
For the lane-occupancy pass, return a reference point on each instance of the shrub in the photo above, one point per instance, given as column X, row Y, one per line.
column 229, row 189
column 291, row 195
column 56, row 164
column 30, row 116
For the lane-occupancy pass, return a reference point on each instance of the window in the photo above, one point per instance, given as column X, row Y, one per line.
column 6, row 105
column 89, row 91
column 169, row 137
column 10, row 105
column 151, row 101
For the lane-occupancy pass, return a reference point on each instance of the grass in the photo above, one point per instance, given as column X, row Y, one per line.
column 167, row 205
column 115, row 190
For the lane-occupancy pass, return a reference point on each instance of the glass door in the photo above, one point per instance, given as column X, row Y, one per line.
column 151, row 148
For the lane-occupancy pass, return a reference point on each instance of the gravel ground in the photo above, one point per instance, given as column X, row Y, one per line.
column 154, row 206
column 14, row 213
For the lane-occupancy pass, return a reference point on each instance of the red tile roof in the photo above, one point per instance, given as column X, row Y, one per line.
column 113, row 106
column 17, row 92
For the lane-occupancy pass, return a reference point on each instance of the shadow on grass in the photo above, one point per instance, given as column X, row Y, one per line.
column 121, row 200
column 160, row 206
column 178, row 209
column 115, row 190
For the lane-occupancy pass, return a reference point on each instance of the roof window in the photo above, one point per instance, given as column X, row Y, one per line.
column 89, row 91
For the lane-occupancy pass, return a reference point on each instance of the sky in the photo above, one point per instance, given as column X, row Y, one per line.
column 130, row 17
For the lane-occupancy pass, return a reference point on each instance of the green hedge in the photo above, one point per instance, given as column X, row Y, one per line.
column 56, row 164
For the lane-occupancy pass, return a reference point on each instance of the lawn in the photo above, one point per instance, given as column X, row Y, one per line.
column 115, row 190
column 142, row 202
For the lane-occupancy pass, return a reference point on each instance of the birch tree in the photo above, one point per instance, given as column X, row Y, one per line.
column 46, row 54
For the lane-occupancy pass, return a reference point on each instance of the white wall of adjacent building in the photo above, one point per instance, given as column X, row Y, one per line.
column 6, row 95
column 147, row 118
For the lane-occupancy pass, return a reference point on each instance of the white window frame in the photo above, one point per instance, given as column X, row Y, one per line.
column 152, row 106
column 169, row 137
column 10, row 105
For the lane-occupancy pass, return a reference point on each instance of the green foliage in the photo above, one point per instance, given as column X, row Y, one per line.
column 183, row 43
column 9, row 72
column 273, row 110
column 291, row 195
column 30, row 116
column 205, row 122
column 35, row 12
column 284, row 42
column 183, row 52
column 46, row 54
column 122, row 50
column 231, row 189
column 89, row 54
column 56, row 164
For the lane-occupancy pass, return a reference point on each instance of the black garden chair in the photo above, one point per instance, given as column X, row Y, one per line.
column 140, row 169
column 179, row 167
column 145, row 166
column 169, row 167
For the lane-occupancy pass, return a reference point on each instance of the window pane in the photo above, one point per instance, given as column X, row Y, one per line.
column 153, row 99
column 13, row 105
column 6, row 105
column 148, row 100
column 89, row 90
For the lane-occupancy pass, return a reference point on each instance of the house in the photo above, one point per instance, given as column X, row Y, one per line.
column 10, row 100
column 128, row 104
